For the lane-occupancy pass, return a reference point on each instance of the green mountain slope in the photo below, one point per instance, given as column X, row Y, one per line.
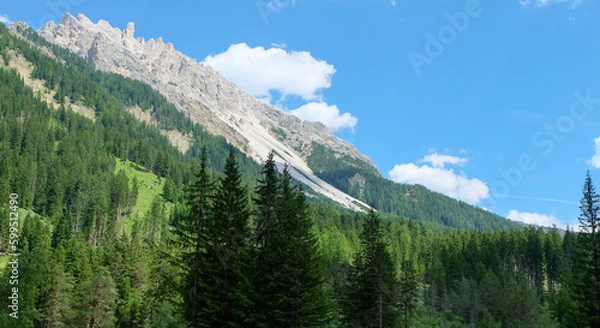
column 410, row 201
column 348, row 174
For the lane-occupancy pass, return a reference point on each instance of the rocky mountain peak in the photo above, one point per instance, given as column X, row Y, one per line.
column 205, row 95
column 129, row 30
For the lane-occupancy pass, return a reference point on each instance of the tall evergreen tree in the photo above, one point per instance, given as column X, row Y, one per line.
column 133, row 193
column 266, row 200
column 56, row 303
column 407, row 292
column 226, row 289
column 300, row 300
column 96, row 303
column 191, row 236
column 587, row 259
column 263, row 260
column 153, row 222
column 370, row 299
column 118, row 194
column 288, row 274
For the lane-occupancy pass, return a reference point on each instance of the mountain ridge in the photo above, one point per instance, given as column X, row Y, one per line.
column 206, row 96
column 345, row 179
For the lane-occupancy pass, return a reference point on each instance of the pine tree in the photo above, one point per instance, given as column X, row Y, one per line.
column 263, row 259
column 34, row 270
column 407, row 291
column 153, row 221
column 266, row 201
column 133, row 193
column 226, row 289
column 118, row 194
column 370, row 299
column 288, row 275
column 191, row 236
column 587, row 258
column 63, row 229
column 96, row 303
column 300, row 299
column 55, row 305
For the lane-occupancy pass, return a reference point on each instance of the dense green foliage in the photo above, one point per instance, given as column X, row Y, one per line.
column 214, row 239
column 288, row 270
column 370, row 296
column 586, row 281
column 228, row 243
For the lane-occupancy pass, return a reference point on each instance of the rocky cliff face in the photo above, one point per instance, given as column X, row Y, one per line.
column 205, row 95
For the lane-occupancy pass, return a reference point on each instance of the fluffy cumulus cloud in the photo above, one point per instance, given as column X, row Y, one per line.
column 326, row 114
column 441, row 179
column 259, row 71
column 4, row 19
column 595, row 160
column 534, row 218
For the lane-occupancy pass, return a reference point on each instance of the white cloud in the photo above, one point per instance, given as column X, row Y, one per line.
column 543, row 3
column 442, row 180
column 326, row 114
column 534, row 218
column 259, row 71
column 595, row 160
column 438, row 160
column 4, row 19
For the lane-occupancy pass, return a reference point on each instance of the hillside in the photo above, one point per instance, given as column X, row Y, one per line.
column 205, row 96
column 325, row 164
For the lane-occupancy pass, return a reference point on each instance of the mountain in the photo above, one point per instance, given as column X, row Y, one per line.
column 327, row 165
column 207, row 97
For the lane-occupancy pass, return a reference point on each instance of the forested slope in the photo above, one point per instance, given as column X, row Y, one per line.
column 411, row 201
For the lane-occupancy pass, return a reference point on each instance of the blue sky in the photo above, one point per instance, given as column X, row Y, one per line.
column 493, row 102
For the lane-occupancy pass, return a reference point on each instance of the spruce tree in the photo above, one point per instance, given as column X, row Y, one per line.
column 153, row 221
column 191, row 236
column 587, row 258
column 96, row 304
column 118, row 194
column 288, row 275
column 407, row 292
column 370, row 298
column 55, row 305
column 265, row 201
column 133, row 193
column 263, row 258
column 300, row 300
column 226, row 289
